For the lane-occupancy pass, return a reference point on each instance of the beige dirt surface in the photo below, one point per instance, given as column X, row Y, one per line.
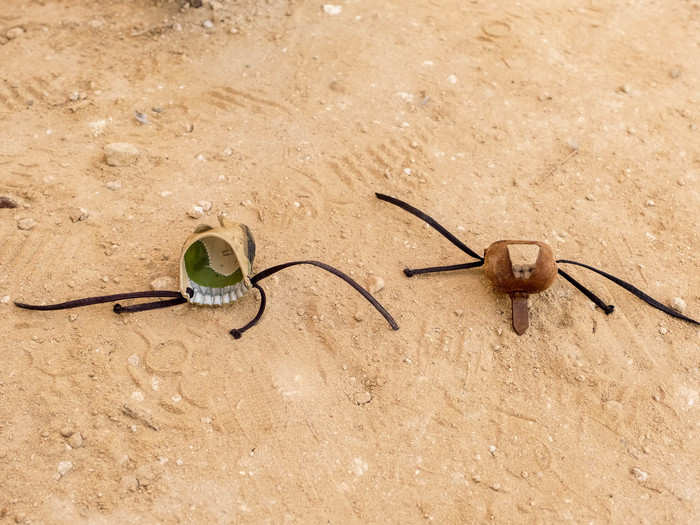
column 574, row 123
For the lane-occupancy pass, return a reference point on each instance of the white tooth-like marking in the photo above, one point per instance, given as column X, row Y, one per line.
column 207, row 300
column 217, row 300
column 226, row 298
column 197, row 298
column 240, row 290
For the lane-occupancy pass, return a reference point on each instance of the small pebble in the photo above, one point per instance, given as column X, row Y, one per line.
column 133, row 360
column 76, row 440
column 362, row 398
column 26, row 223
column 15, row 32
column 5, row 299
column 78, row 214
column 137, row 395
column 452, row 79
column 130, row 483
column 625, row 88
column 359, row 317
column 208, row 24
column 142, row 118
column 663, row 330
column 679, row 305
column 121, row 154
column 64, row 467
column 67, row 432
column 73, row 317
column 163, row 283
column 331, row 9
column 145, row 475
column 196, row 212
column 639, row 474
column 114, row 185
column 375, row 284
column 675, row 72
column 205, row 205
column 97, row 127
column 7, row 202
column 650, row 203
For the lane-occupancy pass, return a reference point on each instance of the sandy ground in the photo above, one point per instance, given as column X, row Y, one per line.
column 575, row 123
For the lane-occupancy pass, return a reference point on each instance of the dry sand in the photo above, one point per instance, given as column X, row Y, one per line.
column 575, row 123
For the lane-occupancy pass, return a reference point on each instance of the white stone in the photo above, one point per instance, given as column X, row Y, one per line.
column 196, row 212
column 76, row 440
column 64, row 467
column 639, row 474
column 205, row 205
column 14, row 33
column 362, row 398
column 452, row 79
column 97, row 127
column 679, row 305
column 78, row 214
column 137, row 395
column 121, row 154
column 331, row 9
column 375, row 283
column 114, row 185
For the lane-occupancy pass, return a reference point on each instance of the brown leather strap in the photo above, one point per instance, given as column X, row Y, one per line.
column 520, row 312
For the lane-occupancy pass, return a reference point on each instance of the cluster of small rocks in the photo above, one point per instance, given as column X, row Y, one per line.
column 198, row 210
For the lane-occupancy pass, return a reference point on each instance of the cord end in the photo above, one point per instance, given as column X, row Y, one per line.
column 118, row 308
column 236, row 333
column 408, row 272
column 609, row 309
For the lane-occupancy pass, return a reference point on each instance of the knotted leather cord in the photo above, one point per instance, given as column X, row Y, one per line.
column 179, row 299
column 630, row 288
column 607, row 308
column 87, row 301
column 432, row 222
column 274, row 269
column 237, row 333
